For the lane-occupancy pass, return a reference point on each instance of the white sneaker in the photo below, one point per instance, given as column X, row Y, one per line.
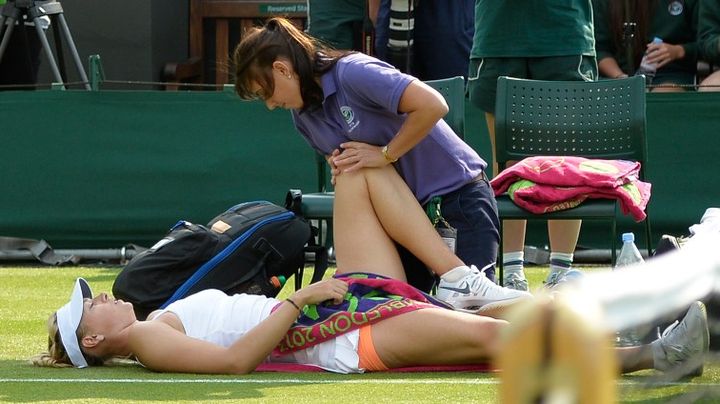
column 515, row 281
column 564, row 279
column 681, row 349
column 554, row 278
column 475, row 292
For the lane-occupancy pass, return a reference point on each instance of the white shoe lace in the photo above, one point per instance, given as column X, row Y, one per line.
column 514, row 281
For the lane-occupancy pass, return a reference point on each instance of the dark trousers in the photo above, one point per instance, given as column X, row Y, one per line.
column 472, row 211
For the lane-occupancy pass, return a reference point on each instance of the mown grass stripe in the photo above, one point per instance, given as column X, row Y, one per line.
column 256, row 381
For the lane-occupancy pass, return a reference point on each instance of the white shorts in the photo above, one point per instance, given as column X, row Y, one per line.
column 337, row 355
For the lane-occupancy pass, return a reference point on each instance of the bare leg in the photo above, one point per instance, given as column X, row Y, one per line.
column 635, row 358
column 563, row 235
column 490, row 120
column 713, row 81
column 373, row 207
column 667, row 88
column 513, row 235
column 415, row 338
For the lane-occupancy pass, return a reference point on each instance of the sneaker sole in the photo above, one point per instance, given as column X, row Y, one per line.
column 706, row 339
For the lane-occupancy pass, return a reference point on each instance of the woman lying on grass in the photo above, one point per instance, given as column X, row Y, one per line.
column 210, row 332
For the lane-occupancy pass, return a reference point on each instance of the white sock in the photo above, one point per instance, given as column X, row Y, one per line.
column 455, row 274
column 560, row 262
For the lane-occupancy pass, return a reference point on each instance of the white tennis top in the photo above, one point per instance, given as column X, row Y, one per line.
column 213, row 316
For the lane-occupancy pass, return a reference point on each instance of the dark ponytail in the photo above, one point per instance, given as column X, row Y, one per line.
column 280, row 39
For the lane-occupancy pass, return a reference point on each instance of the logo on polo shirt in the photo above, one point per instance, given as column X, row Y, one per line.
column 675, row 7
column 349, row 117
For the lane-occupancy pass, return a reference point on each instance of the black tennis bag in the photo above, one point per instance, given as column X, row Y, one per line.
column 239, row 251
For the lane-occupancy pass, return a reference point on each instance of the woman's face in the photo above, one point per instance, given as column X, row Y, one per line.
column 286, row 93
column 104, row 315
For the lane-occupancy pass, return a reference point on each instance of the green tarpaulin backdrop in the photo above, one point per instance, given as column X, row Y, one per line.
column 107, row 168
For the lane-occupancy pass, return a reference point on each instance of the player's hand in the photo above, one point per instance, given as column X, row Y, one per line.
column 329, row 289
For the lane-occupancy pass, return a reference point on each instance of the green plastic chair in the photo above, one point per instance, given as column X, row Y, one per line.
column 319, row 205
column 600, row 119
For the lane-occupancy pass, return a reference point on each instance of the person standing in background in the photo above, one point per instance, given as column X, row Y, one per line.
column 442, row 36
column 339, row 23
column 532, row 39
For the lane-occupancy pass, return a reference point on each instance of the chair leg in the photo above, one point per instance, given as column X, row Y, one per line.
column 648, row 236
column 613, row 254
column 499, row 260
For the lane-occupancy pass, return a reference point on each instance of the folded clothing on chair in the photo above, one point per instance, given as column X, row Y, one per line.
column 543, row 184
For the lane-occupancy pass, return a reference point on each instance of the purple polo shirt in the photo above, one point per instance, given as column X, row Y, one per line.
column 361, row 101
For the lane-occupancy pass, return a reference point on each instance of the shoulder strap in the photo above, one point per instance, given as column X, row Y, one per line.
column 39, row 249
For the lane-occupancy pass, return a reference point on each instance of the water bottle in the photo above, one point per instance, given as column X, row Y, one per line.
column 646, row 68
column 629, row 255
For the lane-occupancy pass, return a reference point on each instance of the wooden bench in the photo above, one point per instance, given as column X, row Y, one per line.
column 230, row 18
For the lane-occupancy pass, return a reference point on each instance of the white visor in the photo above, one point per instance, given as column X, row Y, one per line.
column 68, row 320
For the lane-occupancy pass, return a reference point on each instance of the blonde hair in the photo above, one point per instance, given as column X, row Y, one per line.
column 56, row 355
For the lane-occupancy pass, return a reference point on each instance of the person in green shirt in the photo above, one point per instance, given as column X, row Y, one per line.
column 338, row 22
column 533, row 39
column 709, row 36
column 675, row 22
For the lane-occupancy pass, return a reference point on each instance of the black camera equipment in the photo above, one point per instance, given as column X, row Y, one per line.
column 629, row 29
column 400, row 35
column 21, row 11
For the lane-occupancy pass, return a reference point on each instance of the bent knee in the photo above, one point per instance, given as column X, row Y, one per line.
column 363, row 174
column 350, row 178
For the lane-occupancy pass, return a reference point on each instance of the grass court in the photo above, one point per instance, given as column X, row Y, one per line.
column 29, row 294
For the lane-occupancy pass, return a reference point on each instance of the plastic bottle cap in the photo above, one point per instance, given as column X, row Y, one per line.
column 657, row 40
column 276, row 282
column 628, row 237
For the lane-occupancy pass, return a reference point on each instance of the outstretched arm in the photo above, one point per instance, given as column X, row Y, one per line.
column 160, row 347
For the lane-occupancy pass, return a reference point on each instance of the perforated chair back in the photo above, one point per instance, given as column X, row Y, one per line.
column 600, row 119
column 453, row 90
